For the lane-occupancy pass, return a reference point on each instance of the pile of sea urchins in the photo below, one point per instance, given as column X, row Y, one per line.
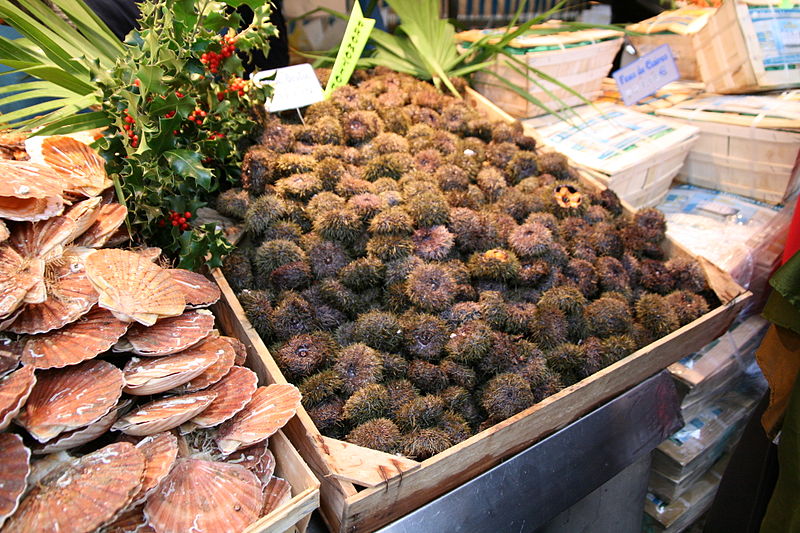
column 422, row 273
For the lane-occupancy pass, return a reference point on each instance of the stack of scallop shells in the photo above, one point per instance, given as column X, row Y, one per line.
column 121, row 407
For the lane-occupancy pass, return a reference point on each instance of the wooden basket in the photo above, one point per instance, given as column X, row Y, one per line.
column 736, row 54
column 605, row 141
column 364, row 489
column 742, row 153
column 674, row 28
column 580, row 60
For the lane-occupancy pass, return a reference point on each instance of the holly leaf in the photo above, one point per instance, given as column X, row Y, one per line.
column 253, row 4
column 150, row 78
column 187, row 164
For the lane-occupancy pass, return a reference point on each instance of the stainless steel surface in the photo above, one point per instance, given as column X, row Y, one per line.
column 524, row 493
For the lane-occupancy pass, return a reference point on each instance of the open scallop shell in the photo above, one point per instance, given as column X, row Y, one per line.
column 198, row 290
column 84, row 214
column 234, row 392
column 10, row 355
column 277, row 493
column 44, row 239
column 225, row 358
column 109, row 218
column 81, row 168
column 238, row 348
column 164, row 414
column 70, row 295
column 170, row 335
column 203, row 495
column 70, row 398
column 29, row 191
column 258, row 459
column 80, row 436
column 14, row 469
column 92, row 334
column 269, row 410
column 130, row 521
column 84, row 495
column 152, row 253
column 133, row 288
column 160, row 452
column 151, row 376
column 18, row 276
column 15, row 389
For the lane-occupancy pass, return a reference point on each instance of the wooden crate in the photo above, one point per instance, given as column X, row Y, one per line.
column 736, row 55
column 742, row 153
column 579, row 60
column 364, row 489
column 635, row 155
column 674, row 28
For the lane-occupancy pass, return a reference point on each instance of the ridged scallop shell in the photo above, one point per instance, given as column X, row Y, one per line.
column 81, row 168
column 70, row 398
column 206, row 496
column 4, row 233
column 15, row 389
column 130, row 521
column 238, row 348
column 70, row 295
column 225, row 358
column 170, row 335
column 133, row 288
column 44, row 239
column 29, row 191
column 109, row 219
column 258, row 459
column 234, row 392
column 269, row 410
column 164, row 414
column 198, row 290
column 277, row 493
column 10, row 355
column 160, row 452
column 84, row 495
column 80, row 436
column 18, row 276
column 84, row 214
column 14, row 469
column 152, row 253
column 154, row 375
column 92, row 334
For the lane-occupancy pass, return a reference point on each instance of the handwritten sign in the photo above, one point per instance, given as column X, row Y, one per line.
column 353, row 42
column 646, row 75
column 293, row 87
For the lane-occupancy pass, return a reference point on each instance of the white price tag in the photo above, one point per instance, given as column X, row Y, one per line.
column 293, row 87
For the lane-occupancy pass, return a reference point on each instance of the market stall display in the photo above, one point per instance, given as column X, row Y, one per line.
column 127, row 405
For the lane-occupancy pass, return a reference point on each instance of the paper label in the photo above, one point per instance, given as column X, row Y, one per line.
column 293, row 87
column 778, row 34
column 355, row 38
column 646, row 75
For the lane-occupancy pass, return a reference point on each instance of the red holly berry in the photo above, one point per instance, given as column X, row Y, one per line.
column 187, row 215
column 174, row 222
column 184, row 227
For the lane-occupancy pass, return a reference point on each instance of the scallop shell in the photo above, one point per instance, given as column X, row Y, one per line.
column 18, row 275
column 84, row 495
column 44, row 239
column 198, row 290
column 109, row 219
column 269, row 410
column 170, row 335
column 152, row 253
column 238, row 348
column 207, row 496
column 10, row 354
column 225, row 358
column 132, row 287
column 43, row 466
column 80, row 436
column 234, row 392
column 258, row 459
column 14, row 469
column 15, row 389
column 164, row 414
column 160, row 452
column 277, row 493
column 70, row 295
column 4, row 233
column 70, row 398
column 151, row 376
column 91, row 335
column 130, row 521
column 84, row 214
column 81, row 168
column 29, row 191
